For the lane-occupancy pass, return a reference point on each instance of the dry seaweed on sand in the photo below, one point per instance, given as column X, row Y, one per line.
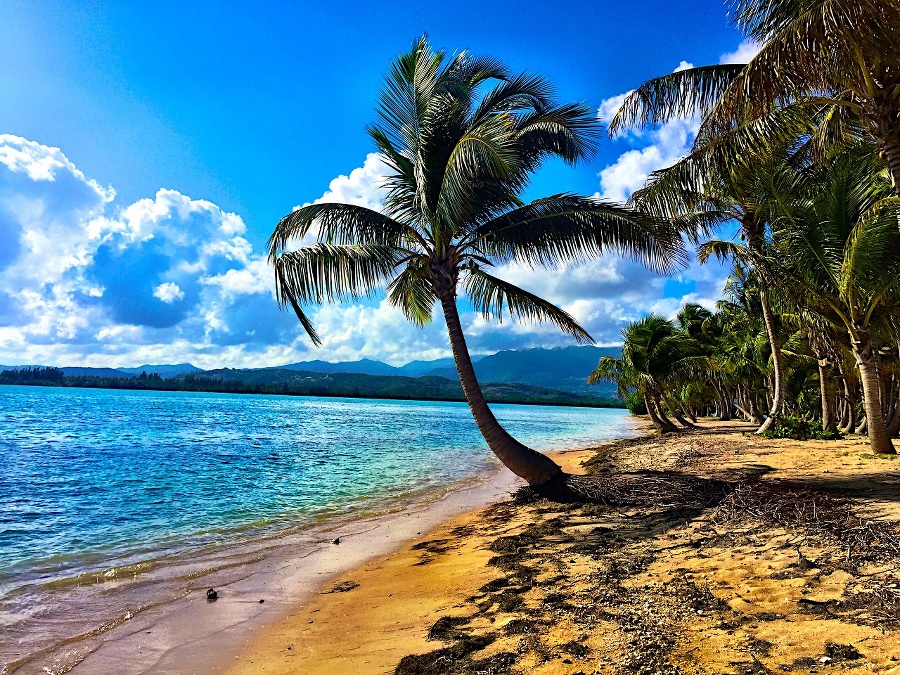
column 813, row 513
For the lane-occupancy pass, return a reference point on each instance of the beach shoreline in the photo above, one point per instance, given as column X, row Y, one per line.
column 190, row 634
column 550, row 589
column 95, row 575
column 193, row 635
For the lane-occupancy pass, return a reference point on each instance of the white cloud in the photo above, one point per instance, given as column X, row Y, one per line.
column 610, row 106
column 84, row 281
column 363, row 187
column 668, row 143
column 168, row 292
column 657, row 148
column 743, row 54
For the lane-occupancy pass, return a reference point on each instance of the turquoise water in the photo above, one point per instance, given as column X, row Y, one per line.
column 113, row 500
column 100, row 473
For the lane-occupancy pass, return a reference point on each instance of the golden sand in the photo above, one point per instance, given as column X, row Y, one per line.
column 615, row 590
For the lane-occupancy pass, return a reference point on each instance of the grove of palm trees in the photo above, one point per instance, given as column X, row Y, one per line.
column 796, row 148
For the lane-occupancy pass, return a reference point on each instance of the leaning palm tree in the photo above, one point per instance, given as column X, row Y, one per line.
column 654, row 352
column 461, row 137
column 833, row 61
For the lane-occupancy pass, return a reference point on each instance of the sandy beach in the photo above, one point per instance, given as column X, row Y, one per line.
column 766, row 556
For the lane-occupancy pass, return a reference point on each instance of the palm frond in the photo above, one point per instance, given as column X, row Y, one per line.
column 682, row 94
column 336, row 224
column 570, row 228
column 491, row 296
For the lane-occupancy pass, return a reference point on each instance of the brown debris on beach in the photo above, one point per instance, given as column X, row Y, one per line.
column 714, row 551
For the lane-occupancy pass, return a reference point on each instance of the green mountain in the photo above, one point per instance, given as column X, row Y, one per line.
column 361, row 385
column 565, row 368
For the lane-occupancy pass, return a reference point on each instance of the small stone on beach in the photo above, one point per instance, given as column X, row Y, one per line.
column 336, row 541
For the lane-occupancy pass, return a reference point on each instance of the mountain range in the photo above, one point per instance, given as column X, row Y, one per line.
column 565, row 369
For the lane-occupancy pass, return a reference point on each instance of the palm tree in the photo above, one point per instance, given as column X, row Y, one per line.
column 833, row 61
column 707, row 188
column 653, row 353
column 838, row 255
column 462, row 137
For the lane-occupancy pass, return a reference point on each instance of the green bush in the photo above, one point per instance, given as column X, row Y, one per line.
column 801, row 430
column 635, row 404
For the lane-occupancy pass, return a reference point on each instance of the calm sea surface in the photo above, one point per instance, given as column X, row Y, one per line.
column 91, row 480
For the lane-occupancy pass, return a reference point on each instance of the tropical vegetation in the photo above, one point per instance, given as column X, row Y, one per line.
column 461, row 137
column 800, row 149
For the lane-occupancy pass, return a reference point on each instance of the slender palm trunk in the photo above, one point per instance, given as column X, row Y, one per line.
column 681, row 420
column 879, row 440
column 755, row 231
column 829, row 423
column 848, row 424
column 668, row 425
column 754, row 410
column 651, row 410
column 778, row 366
column 526, row 463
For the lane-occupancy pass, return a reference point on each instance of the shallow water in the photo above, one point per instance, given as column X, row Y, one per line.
column 104, row 488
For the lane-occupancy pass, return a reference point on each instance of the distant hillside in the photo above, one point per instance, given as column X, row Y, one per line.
column 75, row 371
column 164, row 370
column 372, row 367
column 562, row 369
column 565, row 368
column 361, row 385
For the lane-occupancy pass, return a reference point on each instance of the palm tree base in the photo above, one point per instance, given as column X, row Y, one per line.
column 671, row 488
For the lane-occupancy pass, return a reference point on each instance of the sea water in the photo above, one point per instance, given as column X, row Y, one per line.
column 99, row 484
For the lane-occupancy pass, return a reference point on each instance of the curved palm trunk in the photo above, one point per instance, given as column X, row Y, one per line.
column 755, row 231
column 526, row 463
column 778, row 366
column 879, row 440
column 848, row 424
column 680, row 418
column 654, row 416
column 755, row 413
column 668, row 425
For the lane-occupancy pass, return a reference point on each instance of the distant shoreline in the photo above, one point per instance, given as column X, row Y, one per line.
column 503, row 393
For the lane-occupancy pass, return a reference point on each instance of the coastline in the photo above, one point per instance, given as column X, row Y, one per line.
column 69, row 611
column 192, row 635
column 365, row 629
column 734, row 583
column 189, row 634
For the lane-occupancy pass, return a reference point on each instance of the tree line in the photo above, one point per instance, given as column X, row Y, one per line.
column 801, row 149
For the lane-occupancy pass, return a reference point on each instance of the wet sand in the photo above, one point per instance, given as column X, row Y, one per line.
column 191, row 635
column 755, row 572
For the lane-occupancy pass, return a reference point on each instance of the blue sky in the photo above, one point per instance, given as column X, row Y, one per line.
column 150, row 148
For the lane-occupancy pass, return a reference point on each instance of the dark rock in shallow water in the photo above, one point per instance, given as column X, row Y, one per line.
column 212, row 595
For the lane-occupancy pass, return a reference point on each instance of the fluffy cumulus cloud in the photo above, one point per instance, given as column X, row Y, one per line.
column 84, row 280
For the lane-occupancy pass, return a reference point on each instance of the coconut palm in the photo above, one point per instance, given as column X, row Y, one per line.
column 838, row 255
column 834, row 61
column 653, row 352
column 707, row 188
column 461, row 138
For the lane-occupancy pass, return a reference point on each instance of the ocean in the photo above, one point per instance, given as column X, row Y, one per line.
column 102, row 491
